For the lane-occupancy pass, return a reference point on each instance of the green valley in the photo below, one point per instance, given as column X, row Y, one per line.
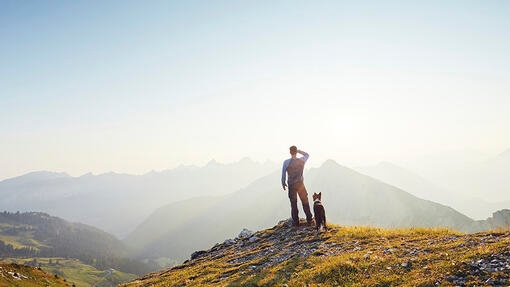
column 83, row 255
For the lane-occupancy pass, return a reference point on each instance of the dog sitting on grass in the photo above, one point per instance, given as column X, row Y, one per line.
column 319, row 212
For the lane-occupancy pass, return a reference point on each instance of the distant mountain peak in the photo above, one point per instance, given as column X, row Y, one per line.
column 88, row 174
column 246, row 160
column 212, row 162
column 332, row 167
column 110, row 173
column 330, row 163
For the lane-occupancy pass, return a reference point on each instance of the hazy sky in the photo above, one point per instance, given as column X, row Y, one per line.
column 132, row 86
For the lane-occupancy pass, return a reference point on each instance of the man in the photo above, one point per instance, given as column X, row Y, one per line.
column 294, row 167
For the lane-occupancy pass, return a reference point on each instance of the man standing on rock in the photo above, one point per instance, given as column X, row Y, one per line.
column 294, row 167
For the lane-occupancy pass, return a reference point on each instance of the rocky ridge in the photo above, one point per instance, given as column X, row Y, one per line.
column 357, row 256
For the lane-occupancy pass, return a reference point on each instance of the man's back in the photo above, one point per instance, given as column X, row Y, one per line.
column 294, row 167
column 295, row 170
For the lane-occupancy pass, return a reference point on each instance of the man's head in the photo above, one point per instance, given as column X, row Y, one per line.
column 293, row 150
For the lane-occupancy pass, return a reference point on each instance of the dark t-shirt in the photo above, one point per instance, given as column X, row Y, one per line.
column 295, row 170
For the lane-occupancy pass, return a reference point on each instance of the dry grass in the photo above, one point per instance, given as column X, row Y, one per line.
column 31, row 277
column 345, row 256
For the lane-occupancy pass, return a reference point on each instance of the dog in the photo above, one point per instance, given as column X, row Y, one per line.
column 319, row 212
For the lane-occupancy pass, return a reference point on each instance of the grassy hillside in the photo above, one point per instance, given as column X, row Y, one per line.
column 52, row 235
column 35, row 234
column 75, row 272
column 346, row 256
column 14, row 275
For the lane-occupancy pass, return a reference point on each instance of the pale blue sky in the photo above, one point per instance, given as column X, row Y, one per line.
column 131, row 86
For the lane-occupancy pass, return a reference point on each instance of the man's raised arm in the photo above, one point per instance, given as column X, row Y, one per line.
column 305, row 155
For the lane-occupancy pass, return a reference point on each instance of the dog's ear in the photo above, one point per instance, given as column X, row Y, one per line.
column 320, row 194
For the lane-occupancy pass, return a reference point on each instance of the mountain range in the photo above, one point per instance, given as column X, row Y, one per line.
column 477, row 189
column 117, row 203
column 350, row 198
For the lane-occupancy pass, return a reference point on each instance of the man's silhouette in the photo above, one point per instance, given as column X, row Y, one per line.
column 294, row 167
